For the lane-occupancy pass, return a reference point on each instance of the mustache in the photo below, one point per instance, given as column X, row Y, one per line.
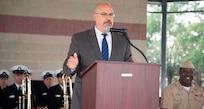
column 107, row 22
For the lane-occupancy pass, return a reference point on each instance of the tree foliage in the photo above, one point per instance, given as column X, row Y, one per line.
column 185, row 37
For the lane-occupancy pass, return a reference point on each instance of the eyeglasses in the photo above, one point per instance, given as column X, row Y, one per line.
column 106, row 14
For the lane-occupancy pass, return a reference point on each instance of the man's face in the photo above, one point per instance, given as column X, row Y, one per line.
column 3, row 81
column 104, row 17
column 18, row 78
column 48, row 81
column 186, row 76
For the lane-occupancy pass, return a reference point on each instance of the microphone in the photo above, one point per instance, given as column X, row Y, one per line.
column 108, row 29
column 124, row 32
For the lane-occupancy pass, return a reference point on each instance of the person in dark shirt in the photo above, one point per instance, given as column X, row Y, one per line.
column 57, row 99
column 41, row 92
column 13, row 92
column 4, row 76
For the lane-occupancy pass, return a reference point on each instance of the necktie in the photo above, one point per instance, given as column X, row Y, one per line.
column 19, row 90
column 104, row 47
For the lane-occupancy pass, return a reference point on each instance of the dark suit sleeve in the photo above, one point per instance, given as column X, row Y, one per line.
column 73, row 49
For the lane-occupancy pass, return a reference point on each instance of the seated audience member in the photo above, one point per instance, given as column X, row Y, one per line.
column 183, row 94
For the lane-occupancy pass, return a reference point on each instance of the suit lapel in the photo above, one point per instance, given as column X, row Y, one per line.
column 114, row 46
column 94, row 44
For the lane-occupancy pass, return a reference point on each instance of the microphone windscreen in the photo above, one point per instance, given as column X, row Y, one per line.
column 107, row 28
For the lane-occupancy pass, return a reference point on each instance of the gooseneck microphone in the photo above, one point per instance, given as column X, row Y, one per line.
column 108, row 29
column 124, row 32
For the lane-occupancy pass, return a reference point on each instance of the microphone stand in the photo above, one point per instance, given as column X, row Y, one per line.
column 126, row 36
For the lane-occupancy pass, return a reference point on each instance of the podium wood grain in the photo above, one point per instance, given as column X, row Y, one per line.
column 104, row 87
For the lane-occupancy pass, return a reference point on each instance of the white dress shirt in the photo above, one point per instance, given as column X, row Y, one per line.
column 99, row 37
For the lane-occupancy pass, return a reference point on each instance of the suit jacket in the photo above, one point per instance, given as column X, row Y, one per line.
column 86, row 46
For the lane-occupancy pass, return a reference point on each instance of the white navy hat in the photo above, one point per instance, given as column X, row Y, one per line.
column 59, row 72
column 19, row 69
column 187, row 64
column 4, row 74
column 47, row 73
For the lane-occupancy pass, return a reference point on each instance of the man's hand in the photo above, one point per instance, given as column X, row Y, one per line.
column 72, row 62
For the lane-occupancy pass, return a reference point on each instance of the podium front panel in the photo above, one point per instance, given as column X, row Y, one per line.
column 121, row 85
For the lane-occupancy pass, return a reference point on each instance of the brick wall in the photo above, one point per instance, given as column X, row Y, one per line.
column 37, row 33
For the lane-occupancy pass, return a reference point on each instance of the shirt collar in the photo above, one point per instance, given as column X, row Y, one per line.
column 17, row 85
column 178, row 84
column 99, row 32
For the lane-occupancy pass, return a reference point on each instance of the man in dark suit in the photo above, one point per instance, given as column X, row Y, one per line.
column 13, row 91
column 58, row 95
column 86, row 47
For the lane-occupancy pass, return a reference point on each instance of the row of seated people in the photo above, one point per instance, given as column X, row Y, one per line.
column 45, row 96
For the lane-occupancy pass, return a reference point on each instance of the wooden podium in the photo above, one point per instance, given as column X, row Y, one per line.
column 120, row 85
